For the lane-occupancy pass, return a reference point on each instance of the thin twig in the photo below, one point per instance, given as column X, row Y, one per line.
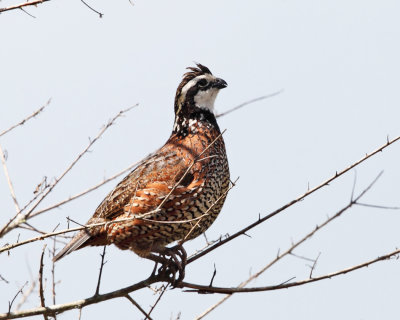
column 19, row 213
column 138, row 306
column 10, row 303
column 34, row 114
column 213, row 276
column 312, row 268
column 10, row 185
column 25, row 295
column 301, row 257
column 377, row 206
column 101, row 270
column 158, row 299
column 53, row 270
column 41, row 294
column 4, row 279
column 249, row 102
column 94, row 10
column 29, row 14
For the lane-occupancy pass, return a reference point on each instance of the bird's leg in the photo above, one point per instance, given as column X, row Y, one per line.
column 168, row 265
column 177, row 262
column 180, row 251
column 158, row 259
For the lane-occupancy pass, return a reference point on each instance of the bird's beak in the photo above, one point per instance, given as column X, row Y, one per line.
column 220, row 83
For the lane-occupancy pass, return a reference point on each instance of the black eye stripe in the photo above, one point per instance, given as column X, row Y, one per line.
column 204, row 85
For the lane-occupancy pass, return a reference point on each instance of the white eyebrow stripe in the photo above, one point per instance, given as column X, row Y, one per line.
column 189, row 85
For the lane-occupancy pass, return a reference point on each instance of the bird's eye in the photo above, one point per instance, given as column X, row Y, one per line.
column 203, row 82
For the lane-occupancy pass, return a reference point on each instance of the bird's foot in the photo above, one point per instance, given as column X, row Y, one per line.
column 173, row 262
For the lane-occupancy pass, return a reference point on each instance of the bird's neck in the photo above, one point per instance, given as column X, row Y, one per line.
column 191, row 119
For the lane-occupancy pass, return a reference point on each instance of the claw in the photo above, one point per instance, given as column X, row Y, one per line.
column 176, row 263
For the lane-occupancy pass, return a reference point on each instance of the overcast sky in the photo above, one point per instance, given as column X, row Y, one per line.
column 338, row 65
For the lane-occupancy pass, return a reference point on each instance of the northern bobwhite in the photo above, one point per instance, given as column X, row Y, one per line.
column 174, row 194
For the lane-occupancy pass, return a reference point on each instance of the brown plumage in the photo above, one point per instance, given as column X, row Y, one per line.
column 177, row 192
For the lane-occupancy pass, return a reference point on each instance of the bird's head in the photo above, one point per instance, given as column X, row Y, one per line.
column 198, row 89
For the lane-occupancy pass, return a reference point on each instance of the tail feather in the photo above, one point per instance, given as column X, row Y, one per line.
column 76, row 243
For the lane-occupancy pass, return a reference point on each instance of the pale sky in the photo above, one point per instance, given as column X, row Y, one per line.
column 338, row 65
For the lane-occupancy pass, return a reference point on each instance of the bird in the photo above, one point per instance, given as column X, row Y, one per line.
column 175, row 193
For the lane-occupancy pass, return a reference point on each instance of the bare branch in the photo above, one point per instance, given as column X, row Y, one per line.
column 33, row 114
column 22, row 5
column 306, row 194
column 94, row 10
column 248, row 102
column 196, row 288
column 84, row 302
column 26, row 294
column 312, row 268
column 301, row 257
column 158, row 299
column 138, row 306
column 213, row 276
column 10, row 303
column 53, row 271
column 377, row 206
column 41, row 294
column 10, row 185
column 101, row 270
column 40, row 192
column 29, row 14
column 4, row 279
column 207, row 289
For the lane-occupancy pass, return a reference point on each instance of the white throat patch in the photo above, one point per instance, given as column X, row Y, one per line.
column 205, row 99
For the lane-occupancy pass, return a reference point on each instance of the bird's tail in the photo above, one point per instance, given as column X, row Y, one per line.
column 76, row 243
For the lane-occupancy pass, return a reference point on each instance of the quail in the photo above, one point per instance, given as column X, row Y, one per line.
column 174, row 194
